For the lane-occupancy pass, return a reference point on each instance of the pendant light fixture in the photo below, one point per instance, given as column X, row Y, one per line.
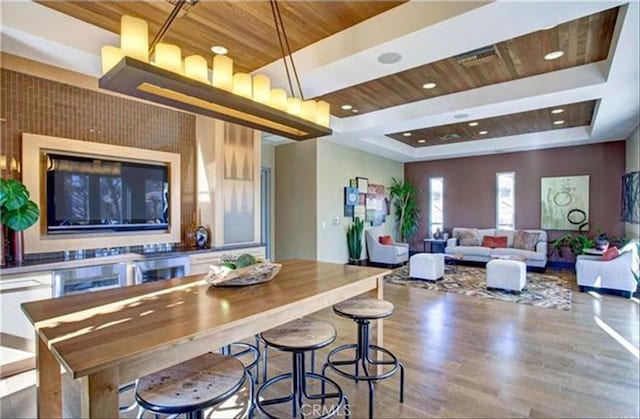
column 158, row 73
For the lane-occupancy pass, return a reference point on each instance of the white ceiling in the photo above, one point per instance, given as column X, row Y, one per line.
column 421, row 32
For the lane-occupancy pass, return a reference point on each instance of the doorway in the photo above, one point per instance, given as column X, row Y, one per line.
column 265, row 209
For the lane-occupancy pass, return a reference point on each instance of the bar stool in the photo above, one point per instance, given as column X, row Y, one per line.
column 362, row 311
column 299, row 337
column 265, row 353
column 192, row 386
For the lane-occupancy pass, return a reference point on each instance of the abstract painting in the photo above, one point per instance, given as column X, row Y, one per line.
column 564, row 203
column 630, row 208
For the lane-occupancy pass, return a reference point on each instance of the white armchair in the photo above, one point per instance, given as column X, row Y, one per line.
column 614, row 274
column 389, row 254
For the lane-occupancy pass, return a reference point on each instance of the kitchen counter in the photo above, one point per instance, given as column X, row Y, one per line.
column 61, row 261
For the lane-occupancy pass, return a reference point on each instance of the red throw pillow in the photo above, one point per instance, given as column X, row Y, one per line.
column 385, row 240
column 494, row 241
column 611, row 253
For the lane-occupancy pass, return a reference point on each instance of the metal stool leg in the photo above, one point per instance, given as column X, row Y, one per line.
column 401, row 382
column 265, row 363
column 299, row 392
column 257, row 374
column 363, row 359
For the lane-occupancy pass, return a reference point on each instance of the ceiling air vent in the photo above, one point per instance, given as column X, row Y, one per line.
column 450, row 137
column 477, row 56
column 185, row 8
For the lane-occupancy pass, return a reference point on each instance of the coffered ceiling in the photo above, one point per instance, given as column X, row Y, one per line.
column 245, row 28
column 552, row 118
column 508, row 88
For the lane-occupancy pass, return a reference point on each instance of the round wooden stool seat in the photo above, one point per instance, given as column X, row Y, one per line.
column 364, row 308
column 192, row 385
column 300, row 335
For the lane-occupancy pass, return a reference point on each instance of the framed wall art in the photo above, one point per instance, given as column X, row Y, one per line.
column 564, row 203
column 363, row 184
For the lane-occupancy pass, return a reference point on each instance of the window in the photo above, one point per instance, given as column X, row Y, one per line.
column 506, row 200
column 436, row 204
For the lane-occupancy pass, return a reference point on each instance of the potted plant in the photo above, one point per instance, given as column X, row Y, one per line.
column 404, row 196
column 354, row 240
column 574, row 243
column 17, row 212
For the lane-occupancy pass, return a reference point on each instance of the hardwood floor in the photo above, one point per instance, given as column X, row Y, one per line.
column 469, row 357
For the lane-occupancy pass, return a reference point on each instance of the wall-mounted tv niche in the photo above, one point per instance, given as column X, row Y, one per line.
column 122, row 195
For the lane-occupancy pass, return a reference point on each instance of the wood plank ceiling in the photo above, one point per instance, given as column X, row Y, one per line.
column 246, row 28
column 573, row 115
column 585, row 40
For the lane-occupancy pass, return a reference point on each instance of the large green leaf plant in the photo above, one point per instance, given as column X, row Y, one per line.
column 17, row 211
column 354, row 239
column 404, row 197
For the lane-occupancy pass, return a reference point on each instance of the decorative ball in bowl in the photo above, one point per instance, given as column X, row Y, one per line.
column 245, row 270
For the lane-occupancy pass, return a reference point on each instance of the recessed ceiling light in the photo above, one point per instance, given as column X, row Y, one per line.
column 346, row 107
column 557, row 111
column 560, row 122
column 389, row 58
column 422, row 141
column 354, row 111
column 406, row 134
column 554, row 55
column 483, row 132
column 429, row 85
column 220, row 50
column 461, row 115
column 474, row 124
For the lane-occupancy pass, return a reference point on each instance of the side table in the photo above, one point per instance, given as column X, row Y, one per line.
column 435, row 245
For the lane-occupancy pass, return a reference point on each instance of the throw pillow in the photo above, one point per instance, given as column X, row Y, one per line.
column 469, row 238
column 611, row 253
column 385, row 240
column 494, row 241
column 525, row 240
column 508, row 234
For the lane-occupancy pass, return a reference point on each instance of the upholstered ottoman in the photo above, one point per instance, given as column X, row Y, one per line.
column 510, row 275
column 429, row 266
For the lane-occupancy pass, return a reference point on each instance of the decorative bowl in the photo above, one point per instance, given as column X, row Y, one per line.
column 222, row 276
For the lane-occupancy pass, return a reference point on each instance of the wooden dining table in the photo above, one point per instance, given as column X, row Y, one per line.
column 108, row 338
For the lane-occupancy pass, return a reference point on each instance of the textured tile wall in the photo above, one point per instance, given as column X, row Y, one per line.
column 40, row 106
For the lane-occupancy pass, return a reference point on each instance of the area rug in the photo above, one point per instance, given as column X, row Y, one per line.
column 548, row 290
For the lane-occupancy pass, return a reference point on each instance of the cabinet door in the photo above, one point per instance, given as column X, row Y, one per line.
column 15, row 291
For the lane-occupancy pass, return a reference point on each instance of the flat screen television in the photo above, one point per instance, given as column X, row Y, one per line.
column 86, row 194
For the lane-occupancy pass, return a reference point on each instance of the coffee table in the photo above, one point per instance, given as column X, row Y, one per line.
column 451, row 262
column 509, row 257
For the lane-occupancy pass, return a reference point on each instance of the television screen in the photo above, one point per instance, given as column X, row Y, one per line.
column 89, row 194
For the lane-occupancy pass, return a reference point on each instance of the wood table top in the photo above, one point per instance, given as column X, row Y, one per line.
column 90, row 332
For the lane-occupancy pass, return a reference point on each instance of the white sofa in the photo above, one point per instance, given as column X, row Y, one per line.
column 536, row 259
column 388, row 254
column 614, row 274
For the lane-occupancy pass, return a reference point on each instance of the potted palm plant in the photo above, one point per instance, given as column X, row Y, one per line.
column 17, row 213
column 354, row 240
column 404, row 196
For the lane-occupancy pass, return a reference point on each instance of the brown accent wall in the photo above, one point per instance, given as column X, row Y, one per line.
column 41, row 106
column 470, row 185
